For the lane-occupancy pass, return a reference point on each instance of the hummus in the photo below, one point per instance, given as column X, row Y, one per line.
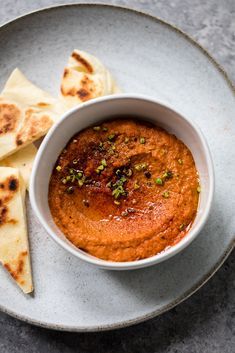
column 124, row 190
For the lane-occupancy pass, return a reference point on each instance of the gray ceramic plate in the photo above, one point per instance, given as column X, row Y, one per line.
column 146, row 56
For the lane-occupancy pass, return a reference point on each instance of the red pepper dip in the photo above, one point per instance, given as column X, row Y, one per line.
column 124, row 190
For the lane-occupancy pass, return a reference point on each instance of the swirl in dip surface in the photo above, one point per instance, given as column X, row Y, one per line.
column 124, row 190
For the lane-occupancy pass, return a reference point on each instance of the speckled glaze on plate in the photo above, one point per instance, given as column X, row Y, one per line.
column 146, row 55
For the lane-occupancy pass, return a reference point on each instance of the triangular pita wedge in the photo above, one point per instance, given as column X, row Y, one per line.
column 14, row 249
column 26, row 113
column 84, row 78
column 23, row 160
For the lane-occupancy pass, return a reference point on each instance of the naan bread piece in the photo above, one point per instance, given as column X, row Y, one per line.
column 85, row 78
column 23, row 160
column 26, row 113
column 14, row 248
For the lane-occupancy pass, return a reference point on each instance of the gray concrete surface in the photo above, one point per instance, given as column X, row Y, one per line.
column 205, row 323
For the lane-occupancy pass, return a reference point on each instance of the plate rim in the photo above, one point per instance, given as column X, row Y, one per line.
column 228, row 250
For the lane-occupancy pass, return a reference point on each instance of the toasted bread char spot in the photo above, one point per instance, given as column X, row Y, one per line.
column 12, row 221
column 43, row 104
column 9, row 117
column 13, row 184
column 83, row 94
column 3, row 215
column 20, row 263
column 71, row 92
column 10, row 187
column 19, row 142
column 33, row 126
column 10, row 183
column 83, row 61
column 66, row 72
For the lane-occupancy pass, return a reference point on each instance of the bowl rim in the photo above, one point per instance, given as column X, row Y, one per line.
column 128, row 265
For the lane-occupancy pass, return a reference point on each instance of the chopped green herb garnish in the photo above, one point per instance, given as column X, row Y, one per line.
column 58, row 168
column 180, row 161
column 71, row 171
column 79, row 175
column 104, row 163
column 110, row 151
column 199, row 189
column 127, row 172
column 166, row 194
column 111, row 137
column 159, row 181
column 109, row 184
column 118, row 172
column 96, row 128
column 68, row 178
column 164, row 175
column 136, row 185
column 64, row 180
column 119, row 191
column 105, row 129
column 70, row 190
column 80, row 182
column 167, row 175
column 140, row 166
column 100, row 144
column 118, row 183
column 75, row 161
column 142, row 140
column 101, row 167
column 122, row 179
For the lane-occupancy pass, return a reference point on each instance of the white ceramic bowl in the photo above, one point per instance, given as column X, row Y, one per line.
column 105, row 108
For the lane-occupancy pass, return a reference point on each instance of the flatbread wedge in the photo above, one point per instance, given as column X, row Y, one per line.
column 23, row 160
column 14, row 247
column 26, row 113
column 85, row 78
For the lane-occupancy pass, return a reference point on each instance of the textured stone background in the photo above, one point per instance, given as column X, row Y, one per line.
column 205, row 323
